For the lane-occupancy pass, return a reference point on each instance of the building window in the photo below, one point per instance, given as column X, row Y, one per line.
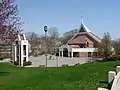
column 82, row 45
column 87, row 44
column 24, row 49
column 89, row 54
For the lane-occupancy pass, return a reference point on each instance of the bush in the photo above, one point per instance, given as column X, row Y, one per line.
column 117, row 57
column 27, row 63
column 65, row 65
column 4, row 57
column 42, row 66
column 77, row 64
column 112, row 58
column 1, row 58
column 24, row 63
column 15, row 63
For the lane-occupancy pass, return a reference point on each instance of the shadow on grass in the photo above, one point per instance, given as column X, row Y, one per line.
column 109, row 85
column 4, row 73
column 106, row 60
column 104, row 82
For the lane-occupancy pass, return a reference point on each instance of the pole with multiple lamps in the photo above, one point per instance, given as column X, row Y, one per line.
column 45, row 29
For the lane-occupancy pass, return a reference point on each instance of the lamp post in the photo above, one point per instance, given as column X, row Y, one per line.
column 56, row 58
column 45, row 29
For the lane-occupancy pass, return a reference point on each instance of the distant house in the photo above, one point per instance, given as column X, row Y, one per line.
column 83, row 44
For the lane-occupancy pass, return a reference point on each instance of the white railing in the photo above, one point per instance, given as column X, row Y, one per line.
column 84, row 49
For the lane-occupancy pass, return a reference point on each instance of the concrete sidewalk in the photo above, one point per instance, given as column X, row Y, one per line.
column 40, row 60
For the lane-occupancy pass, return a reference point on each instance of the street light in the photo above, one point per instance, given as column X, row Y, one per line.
column 45, row 29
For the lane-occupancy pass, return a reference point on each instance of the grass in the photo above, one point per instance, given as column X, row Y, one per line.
column 88, row 76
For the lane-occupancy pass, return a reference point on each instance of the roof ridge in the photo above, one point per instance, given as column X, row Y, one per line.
column 84, row 28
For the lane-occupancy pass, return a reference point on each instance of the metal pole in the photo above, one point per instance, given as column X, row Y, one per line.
column 56, row 55
column 46, row 49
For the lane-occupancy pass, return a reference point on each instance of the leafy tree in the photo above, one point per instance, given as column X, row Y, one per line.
column 10, row 24
column 105, row 47
column 116, row 45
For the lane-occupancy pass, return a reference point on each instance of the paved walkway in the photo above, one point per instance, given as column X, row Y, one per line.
column 59, row 61
column 5, row 60
column 53, row 61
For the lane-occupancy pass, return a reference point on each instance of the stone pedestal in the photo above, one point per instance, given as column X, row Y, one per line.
column 118, row 69
column 102, row 89
column 111, row 76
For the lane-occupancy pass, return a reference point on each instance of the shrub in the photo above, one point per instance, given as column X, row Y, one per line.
column 15, row 63
column 117, row 57
column 1, row 58
column 42, row 66
column 27, row 63
column 24, row 63
column 112, row 58
column 4, row 57
column 65, row 65
column 77, row 64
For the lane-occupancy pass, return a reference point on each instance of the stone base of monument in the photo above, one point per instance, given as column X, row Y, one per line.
column 114, row 78
column 111, row 76
column 102, row 89
column 117, row 69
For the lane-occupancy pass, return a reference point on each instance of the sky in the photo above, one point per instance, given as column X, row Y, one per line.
column 98, row 15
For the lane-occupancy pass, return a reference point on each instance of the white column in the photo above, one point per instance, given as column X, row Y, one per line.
column 12, row 54
column 19, row 54
column 68, row 53
column 111, row 76
column 62, row 52
column 22, row 53
column 72, row 54
column 59, row 53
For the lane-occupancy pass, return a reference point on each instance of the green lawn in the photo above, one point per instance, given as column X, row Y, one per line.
column 84, row 77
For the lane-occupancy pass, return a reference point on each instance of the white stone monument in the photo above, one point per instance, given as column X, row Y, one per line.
column 113, row 77
column 20, row 50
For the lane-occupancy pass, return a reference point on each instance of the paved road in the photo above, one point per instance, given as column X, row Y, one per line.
column 36, row 61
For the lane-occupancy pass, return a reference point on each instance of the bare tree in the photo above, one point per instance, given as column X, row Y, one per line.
column 53, row 39
column 53, row 33
column 68, row 35
column 34, row 41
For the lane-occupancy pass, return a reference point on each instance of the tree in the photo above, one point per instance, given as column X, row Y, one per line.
column 31, row 35
column 105, row 47
column 116, row 46
column 68, row 35
column 10, row 24
column 53, row 39
column 34, row 41
column 53, row 33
